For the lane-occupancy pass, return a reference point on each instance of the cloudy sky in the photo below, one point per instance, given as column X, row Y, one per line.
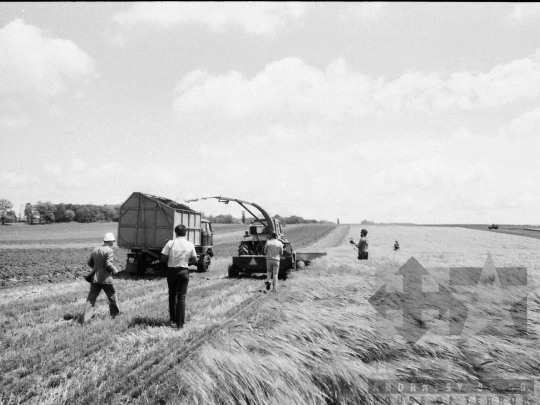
column 416, row 112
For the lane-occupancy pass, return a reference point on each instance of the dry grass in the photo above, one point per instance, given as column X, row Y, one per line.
column 317, row 341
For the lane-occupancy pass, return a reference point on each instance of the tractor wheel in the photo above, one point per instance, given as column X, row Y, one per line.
column 141, row 265
column 234, row 271
column 284, row 274
column 204, row 263
column 243, row 250
column 300, row 265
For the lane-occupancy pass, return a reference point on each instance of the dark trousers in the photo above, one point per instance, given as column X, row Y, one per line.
column 177, row 280
column 362, row 255
column 95, row 289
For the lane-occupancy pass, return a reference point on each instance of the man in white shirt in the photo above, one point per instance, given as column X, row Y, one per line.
column 273, row 251
column 177, row 253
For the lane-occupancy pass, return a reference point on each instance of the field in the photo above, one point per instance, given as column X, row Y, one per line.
column 316, row 341
column 530, row 231
column 58, row 252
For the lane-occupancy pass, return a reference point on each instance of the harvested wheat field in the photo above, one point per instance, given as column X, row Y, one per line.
column 318, row 340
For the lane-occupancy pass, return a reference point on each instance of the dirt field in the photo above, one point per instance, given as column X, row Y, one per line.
column 31, row 259
column 316, row 341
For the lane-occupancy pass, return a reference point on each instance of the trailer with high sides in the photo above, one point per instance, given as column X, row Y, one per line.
column 146, row 223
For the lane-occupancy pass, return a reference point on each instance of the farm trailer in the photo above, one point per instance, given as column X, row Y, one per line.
column 147, row 222
column 251, row 258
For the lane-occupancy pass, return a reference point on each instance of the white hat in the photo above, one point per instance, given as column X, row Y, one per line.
column 109, row 237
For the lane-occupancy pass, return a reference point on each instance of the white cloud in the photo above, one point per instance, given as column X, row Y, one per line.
column 53, row 170
column 12, row 180
column 525, row 11
column 527, row 124
column 254, row 17
column 291, row 86
column 33, row 63
column 12, row 122
column 78, row 165
column 368, row 9
column 285, row 85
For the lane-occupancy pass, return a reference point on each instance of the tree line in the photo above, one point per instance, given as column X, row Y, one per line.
column 47, row 212
column 229, row 219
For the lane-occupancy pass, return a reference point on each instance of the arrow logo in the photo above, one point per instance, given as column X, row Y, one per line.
column 413, row 300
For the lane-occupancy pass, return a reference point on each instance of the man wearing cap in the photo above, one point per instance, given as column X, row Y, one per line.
column 176, row 254
column 273, row 251
column 101, row 261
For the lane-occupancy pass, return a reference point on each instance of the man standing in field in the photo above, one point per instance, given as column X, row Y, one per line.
column 101, row 261
column 176, row 254
column 273, row 251
column 363, row 245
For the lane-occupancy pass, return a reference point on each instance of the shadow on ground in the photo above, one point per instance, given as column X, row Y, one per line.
column 148, row 321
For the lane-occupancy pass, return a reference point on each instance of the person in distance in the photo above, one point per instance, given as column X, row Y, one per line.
column 363, row 245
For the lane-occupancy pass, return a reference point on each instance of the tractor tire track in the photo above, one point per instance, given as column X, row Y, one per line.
column 157, row 362
column 331, row 240
column 242, row 310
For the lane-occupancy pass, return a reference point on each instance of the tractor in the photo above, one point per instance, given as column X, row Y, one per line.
column 251, row 257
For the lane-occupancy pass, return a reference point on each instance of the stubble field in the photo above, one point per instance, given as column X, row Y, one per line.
column 316, row 341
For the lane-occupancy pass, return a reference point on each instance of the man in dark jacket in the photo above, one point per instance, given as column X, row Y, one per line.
column 101, row 261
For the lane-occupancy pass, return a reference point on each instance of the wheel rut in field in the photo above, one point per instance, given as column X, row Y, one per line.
column 159, row 362
column 242, row 310
column 332, row 239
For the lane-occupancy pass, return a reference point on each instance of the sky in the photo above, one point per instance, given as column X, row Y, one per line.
column 391, row 112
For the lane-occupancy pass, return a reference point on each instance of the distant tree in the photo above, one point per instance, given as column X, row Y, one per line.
column 69, row 216
column 224, row 219
column 46, row 211
column 110, row 212
column 279, row 218
column 29, row 213
column 5, row 206
column 83, row 214
column 60, row 212
column 11, row 216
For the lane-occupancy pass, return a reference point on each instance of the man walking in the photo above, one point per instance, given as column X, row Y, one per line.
column 176, row 254
column 101, row 261
column 273, row 251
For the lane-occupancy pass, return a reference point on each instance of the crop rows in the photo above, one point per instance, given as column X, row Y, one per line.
column 48, row 357
column 31, row 266
column 299, row 236
column 21, row 266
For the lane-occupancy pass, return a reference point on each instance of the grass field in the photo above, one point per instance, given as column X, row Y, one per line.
column 316, row 341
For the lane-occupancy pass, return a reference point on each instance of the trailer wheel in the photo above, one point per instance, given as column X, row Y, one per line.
column 204, row 263
column 141, row 265
column 300, row 265
column 234, row 271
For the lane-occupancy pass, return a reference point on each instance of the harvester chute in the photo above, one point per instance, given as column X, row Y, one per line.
column 251, row 256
